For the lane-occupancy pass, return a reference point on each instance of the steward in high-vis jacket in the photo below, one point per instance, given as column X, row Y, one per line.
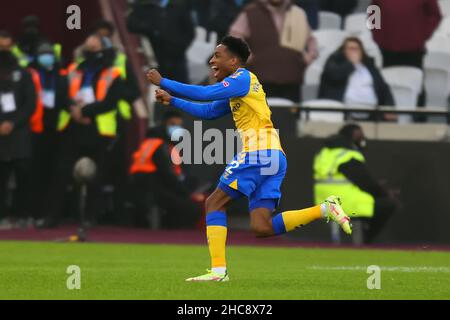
column 117, row 171
column 89, row 128
column 50, row 82
column 340, row 169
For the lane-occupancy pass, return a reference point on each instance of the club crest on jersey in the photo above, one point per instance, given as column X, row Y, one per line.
column 225, row 83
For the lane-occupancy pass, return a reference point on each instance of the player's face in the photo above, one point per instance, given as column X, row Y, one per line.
column 222, row 63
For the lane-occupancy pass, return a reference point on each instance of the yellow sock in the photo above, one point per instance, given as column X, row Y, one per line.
column 216, row 231
column 289, row 220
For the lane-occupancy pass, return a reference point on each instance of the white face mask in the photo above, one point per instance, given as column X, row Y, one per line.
column 175, row 132
column 363, row 143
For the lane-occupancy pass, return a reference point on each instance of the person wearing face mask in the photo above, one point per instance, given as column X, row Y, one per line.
column 340, row 168
column 88, row 128
column 106, row 30
column 154, row 172
column 29, row 40
column 52, row 89
column 117, row 167
column 17, row 104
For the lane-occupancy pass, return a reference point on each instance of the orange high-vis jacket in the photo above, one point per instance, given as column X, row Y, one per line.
column 71, row 67
column 104, row 82
column 37, row 119
column 143, row 157
column 106, row 122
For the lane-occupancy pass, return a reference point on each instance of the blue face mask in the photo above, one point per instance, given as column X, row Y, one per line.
column 163, row 3
column 175, row 132
column 46, row 60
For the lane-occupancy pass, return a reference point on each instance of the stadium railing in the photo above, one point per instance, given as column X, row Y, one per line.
column 377, row 129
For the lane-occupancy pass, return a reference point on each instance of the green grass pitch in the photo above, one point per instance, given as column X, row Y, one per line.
column 36, row 270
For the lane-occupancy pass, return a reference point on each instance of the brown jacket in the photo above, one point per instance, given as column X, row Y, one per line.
column 271, row 62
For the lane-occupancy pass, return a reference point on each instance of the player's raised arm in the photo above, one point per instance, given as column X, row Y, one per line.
column 211, row 110
column 230, row 87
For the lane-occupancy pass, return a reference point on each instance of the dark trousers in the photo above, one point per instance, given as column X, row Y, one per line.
column 21, row 170
column 384, row 209
column 116, row 175
column 413, row 59
column 43, row 164
column 180, row 210
column 71, row 150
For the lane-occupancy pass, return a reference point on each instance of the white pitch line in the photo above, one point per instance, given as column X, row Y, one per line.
column 393, row 268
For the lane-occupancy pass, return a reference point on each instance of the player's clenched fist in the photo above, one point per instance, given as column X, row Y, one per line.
column 163, row 97
column 154, row 77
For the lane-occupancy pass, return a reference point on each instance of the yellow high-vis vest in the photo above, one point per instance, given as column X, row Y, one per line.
column 22, row 58
column 106, row 122
column 329, row 181
column 123, row 105
column 121, row 63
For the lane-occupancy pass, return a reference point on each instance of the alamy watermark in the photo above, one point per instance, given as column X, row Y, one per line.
column 213, row 146
column 73, row 281
column 374, row 17
column 374, row 280
column 73, row 22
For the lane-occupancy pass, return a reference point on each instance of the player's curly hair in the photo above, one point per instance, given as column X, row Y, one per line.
column 238, row 47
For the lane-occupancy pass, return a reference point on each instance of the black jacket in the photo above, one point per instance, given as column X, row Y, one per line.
column 341, row 7
column 86, row 134
column 222, row 14
column 336, row 74
column 17, row 145
column 170, row 29
column 131, row 90
column 355, row 171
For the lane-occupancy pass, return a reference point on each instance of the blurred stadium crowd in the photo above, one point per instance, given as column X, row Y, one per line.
column 54, row 112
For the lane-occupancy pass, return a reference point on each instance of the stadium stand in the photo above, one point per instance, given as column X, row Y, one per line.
column 406, row 84
column 329, row 20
